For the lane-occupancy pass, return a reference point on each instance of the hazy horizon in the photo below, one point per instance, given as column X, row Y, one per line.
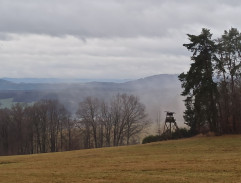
column 59, row 80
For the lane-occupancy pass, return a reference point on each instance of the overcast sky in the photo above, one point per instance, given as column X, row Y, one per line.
column 117, row 39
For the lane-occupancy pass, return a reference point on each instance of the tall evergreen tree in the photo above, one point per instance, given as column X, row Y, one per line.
column 198, row 84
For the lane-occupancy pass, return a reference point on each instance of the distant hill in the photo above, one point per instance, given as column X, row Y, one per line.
column 158, row 93
column 7, row 85
column 59, row 80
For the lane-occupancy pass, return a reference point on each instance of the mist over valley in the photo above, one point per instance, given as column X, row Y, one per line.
column 158, row 93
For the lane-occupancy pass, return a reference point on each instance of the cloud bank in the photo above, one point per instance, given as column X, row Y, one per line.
column 105, row 39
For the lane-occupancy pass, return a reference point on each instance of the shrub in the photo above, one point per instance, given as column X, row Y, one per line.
column 152, row 138
column 180, row 133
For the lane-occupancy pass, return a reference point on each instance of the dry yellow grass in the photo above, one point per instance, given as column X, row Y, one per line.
column 203, row 159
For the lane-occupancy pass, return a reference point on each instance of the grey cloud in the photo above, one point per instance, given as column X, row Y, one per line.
column 107, row 38
column 95, row 58
column 5, row 37
column 112, row 18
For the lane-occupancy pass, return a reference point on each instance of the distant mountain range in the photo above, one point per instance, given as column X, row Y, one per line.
column 158, row 93
column 63, row 80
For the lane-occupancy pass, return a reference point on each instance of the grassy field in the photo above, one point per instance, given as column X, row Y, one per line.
column 6, row 103
column 199, row 159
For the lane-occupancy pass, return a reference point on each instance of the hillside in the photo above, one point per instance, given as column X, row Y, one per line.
column 158, row 93
column 199, row 159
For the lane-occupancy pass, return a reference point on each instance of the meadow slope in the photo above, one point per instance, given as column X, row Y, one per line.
column 199, row 159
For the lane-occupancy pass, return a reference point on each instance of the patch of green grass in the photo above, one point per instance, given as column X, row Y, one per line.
column 199, row 159
column 6, row 103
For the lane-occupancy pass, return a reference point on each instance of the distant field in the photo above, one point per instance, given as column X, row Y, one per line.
column 195, row 160
column 6, row 103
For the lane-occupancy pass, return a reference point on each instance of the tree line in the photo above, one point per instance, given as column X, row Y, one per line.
column 212, row 85
column 46, row 126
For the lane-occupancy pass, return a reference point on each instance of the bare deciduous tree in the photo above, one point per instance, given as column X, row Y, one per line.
column 113, row 123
